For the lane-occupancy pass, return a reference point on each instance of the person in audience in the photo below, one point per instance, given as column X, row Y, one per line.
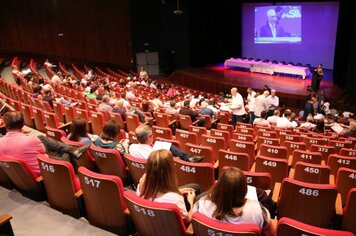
column 262, row 120
column 4, row 107
column 251, row 108
column 172, row 108
column 227, row 201
column 273, row 119
column 109, row 136
column 273, row 103
column 309, row 108
column 26, row 147
column 78, row 131
column 352, row 131
column 212, row 106
column 104, row 105
column 250, row 95
column 194, row 115
column 130, row 96
column 204, row 110
column 157, row 101
column 145, row 146
column 320, row 124
column 56, row 78
column 261, row 104
column 237, row 106
column 159, row 184
column 38, row 92
column 143, row 74
column 119, row 108
column 172, row 91
column 284, row 121
column 293, row 120
column 148, row 106
column 309, row 124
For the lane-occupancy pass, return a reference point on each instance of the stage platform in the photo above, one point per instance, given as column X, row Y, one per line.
column 292, row 91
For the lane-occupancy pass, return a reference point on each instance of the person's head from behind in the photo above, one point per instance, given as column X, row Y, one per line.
column 186, row 103
column 119, row 104
column 105, row 99
column 287, row 113
column 272, row 16
column 231, row 183
column 277, row 113
column 78, row 129
column 13, row 120
column 160, row 175
column 352, row 125
column 145, row 106
column 111, row 130
column 263, row 114
column 144, row 134
column 172, row 103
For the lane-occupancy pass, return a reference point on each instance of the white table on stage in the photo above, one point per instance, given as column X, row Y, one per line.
column 267, row 67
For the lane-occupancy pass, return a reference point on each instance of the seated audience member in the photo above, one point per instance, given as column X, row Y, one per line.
column 157, row 101
column 308, row 125
column 56, row 78
column 262, row 120
column 148, row 106
column 212, row 106
column 108, row 138
column 172, row 108
column 38, row 92
column 16, row 144
column 4, row 107
column 352, row 131
column 130, row 96
column 284, row 121
column 227, row 201
column 194, row 115
column 273, row 119
column 172, row 91
column 204, row 110
column 293, row 120
column 159, row 184
column 145, row 146
column 119, row 108
column 78, row 131
column 320, row 124
column 104, row 105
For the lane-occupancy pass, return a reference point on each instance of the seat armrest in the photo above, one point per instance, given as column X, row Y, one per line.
column 78, row 194
column 276, row 191
column 189, row 230
column 338, row 205
column 5, row 218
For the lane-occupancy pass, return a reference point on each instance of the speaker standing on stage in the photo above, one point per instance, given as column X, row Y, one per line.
column 317, row 77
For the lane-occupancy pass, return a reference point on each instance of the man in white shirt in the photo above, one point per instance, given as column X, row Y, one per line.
column 273, row 103
column 145, row 146
column 250, row 95
column 261, row 104
column 273, row 119
column 56, row 78
column 157, row 100
column 284, row 122
column 237, row 106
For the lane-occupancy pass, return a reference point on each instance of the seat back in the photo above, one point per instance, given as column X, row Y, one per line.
column 349, row 218
column 287, row 226
column 153, row 218
column 22, row 177
column 132, row 122
column 289, row 137
column 312, row 204
column 199, row 131
column 51, row 120
column 46, row 106
column 324, row 150
column 109, row 161
column 235, row 159
column 224, row 117
column 206, row 226
column 267, row 134
column 56, row 134
column 39, row 119
column 312, row 173
column 162, row 120
column 199, row 150
column 345, row 180
column 262, row 180
column 273, row 151
column 222, row 134
column 278, row 168
column 69, row 112
column 97, row 122
column 312, row 140
column 337, row 161
column 226, row 127
column 117, row 117
column 243, row 147
column 28, row 115
column 103, row 200
column 304, row 156
column 245, row 131
column 268, row 141
column 184, row 121
column 291, row 146
column 216, row 143
column 185, row 137
column 58, row 108
column 242, row 137
column 348, row 152
column 136, row 166
column 61, row 184
column 339, row 145
column 161, row 132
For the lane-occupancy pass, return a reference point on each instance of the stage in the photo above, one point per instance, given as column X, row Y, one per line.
column 292, row 91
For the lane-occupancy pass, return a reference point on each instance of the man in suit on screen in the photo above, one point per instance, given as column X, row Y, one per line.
column 272, row 27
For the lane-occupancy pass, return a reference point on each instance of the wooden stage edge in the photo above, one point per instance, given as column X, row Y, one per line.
column 291, row 91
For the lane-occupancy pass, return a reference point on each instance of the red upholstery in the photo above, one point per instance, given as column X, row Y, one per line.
column 290, row 227
column 205, row 226
column 349, row 218
column 345, row 180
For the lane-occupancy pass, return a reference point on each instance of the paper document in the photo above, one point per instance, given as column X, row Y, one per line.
column 159, row 145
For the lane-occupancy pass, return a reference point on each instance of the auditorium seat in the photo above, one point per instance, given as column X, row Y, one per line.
column 225, row 117
column 39, row 119
column 109, row 162
column 348, row 152
column 136, row 166
column 23, row 178
column 198, row 173
column 278, row 168
column 262, row 180
column 273, row 151
column 97, row 122
column 216, row 143
column 185, row 121
column 336, row 161
column 5, row 225
column 339, row 145
column 154, row 218
column 103, row 201
column 199, row 131
column 235, row 159
column 226, row 127
column 311, row 173
column 61, row 184
column 243, row 147
column 312, row 204
column 345, row 180
column 203, row 225
column 306, row 156
column 242, row 137
column 290, row 227
column 291, row 146
column 28, row 115
column 162, row 132
column 324, row 150
column 221, row 134
column 268, row 141
column 117, row 117
column 185, row 137
column 58, row 108
column 55, row 134
column 349, row 217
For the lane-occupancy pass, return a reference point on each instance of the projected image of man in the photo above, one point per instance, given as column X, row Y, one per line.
column 272, row 28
